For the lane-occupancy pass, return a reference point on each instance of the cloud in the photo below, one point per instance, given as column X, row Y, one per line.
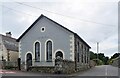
column 109, row 46
column 77, row 16
column 68, row 1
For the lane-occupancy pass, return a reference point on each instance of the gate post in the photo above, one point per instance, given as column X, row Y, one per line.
column 19, row 64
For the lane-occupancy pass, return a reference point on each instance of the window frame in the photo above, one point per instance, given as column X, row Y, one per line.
column 39, row 50
column 49, row 51
column 78, row 52
column 42, row 30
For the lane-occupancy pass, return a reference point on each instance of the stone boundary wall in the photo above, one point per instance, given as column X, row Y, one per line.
column 8, row 65
column 92, row 63
column 68, row 67
column 116, row 63
column 42, row 69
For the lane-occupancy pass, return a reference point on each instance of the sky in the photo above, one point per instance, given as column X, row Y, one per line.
column 94, row 21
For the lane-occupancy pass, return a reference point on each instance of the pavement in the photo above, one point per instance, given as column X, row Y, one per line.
column 103, row 71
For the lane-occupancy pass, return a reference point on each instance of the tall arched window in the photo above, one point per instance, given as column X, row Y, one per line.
column 37, row 51
column 49, row 51
column 78, row 52
column 82, row 57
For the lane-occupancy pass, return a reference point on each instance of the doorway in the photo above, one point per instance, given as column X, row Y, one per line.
column 28, row 60
column 60, row 54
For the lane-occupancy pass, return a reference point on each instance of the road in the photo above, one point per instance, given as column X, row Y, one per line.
column 103, row 71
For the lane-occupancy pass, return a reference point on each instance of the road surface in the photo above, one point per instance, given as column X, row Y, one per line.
column 103, row 71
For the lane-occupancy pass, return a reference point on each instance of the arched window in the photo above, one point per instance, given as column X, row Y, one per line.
column 82, row 53
column 49, row 51
column 78, row 52
column 37, row 51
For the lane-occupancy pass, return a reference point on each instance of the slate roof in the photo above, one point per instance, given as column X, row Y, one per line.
column 10, row 43
column 55, row 23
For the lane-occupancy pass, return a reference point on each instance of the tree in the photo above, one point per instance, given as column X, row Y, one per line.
column 93, row 55
column 102, row 59
column 115, row 56
column 106, row 60
column 101, row 56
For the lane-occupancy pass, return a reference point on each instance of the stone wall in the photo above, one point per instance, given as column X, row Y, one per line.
column 23, row 66
column 42, row 69
column 68, row 67
column 92, row 63
column 13, row 56
column 81, row 67
column 116, row 62
column 8, row 65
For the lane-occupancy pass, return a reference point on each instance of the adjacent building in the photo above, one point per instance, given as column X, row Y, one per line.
column 8, row 48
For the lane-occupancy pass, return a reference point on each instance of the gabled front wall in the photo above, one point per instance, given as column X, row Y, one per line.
column 61, row 38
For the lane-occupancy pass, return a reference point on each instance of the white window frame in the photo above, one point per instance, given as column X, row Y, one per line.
column 46, row 48
column 42, row 30
column 34, row 49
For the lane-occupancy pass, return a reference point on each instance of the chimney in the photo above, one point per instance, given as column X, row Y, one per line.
column 8, row 34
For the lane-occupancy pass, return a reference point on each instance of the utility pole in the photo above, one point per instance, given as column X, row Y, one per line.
column 97, row 51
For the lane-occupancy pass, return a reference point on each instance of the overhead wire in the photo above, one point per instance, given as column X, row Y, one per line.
column 84, row 20
column 18, row 11
column 54, row 13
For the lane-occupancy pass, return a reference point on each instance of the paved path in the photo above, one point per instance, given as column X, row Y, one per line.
column 6, row 71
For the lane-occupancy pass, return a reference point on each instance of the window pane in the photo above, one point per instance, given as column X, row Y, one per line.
column 49, row 51
column 37, row 51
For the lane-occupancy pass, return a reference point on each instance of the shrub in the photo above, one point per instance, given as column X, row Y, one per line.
column 98, row 61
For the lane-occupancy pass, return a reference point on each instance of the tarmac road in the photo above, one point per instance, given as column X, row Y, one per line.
column 103, row 71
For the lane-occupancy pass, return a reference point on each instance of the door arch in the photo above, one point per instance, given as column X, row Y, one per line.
column 59, row 50
column 59, row 53
column 28, row 60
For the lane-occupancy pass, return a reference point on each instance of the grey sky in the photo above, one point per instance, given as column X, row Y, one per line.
column 80, row 16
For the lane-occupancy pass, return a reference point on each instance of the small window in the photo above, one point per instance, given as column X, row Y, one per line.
column 42, row 29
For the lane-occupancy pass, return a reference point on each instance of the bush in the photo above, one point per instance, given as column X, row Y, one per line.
column 98, row 61
column 112, row 60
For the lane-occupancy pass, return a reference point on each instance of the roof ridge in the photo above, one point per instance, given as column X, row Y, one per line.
column 52, row 21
